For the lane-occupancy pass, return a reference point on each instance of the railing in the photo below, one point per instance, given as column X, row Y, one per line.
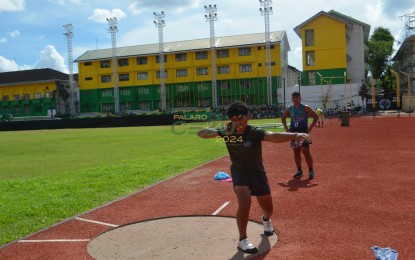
column 28, row 118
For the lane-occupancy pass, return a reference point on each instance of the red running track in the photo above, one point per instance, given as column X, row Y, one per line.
column 363, row 196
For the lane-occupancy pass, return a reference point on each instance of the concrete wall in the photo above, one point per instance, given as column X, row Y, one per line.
column 315, row 96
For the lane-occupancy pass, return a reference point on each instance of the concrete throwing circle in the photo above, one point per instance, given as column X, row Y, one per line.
column 188, row 237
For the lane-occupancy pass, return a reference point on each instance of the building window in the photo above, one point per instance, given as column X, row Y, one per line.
column 142, row 75
column 88, row 64
column 16, row 97
column 246, row 83
column 141, row 60
column 125, row 106
column 106, row 107
column 88, row 78
column 144, row 105
column 225, row 85
column 124, row 92
column 181, row 57
column 37, row 96
column 105, row 64
column 105, row 78
column 106, row 93
column 202, row 87
column 244, row 51
column 223, row 53
column 182, row 88
column 310, row 58
column 202, row 71
column 26, row 96
column 201, row 55
column 124, row 77
column 158, row 59
column 143, row 91
column 311, row 75
column 224, row 70
column 181, row 73
column 309, row 37
column 245, row 68
column 123, row 62
column 158, row 74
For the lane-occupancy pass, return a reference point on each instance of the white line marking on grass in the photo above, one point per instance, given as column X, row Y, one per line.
column 96, row 222
column 54, row 240
column 219, row 209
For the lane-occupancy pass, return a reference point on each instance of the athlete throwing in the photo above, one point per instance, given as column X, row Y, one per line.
column 299, row 123
column 243, row 142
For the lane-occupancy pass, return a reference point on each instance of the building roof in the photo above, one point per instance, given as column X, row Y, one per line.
column 403, row 48
column 337, row 16
column 182, row 46
column 35, row 75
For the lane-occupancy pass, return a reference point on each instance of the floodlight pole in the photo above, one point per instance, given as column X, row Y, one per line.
column 211, row 16
column 160, row 23
column 113, row 29
column 266, row 10
column 69, row 35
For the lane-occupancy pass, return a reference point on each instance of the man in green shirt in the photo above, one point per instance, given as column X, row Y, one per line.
column 244, row 144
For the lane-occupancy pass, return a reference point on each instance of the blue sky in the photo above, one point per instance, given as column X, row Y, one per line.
column 32, row 31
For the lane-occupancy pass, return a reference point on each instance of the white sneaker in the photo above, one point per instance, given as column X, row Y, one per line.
column 247, row 247
column 268, row 228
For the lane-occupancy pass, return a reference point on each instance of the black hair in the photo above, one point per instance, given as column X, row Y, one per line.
column 296, row 94
column 237, row 108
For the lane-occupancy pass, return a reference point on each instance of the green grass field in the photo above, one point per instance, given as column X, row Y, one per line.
column 49, row 175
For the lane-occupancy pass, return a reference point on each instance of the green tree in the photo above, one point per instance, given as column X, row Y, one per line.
column 380, row 50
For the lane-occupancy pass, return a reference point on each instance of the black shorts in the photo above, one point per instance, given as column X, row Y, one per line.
column 256, row 181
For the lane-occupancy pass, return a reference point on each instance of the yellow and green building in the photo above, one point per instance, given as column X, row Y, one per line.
column 36, row 92
column 240, row 73
column 334, row 49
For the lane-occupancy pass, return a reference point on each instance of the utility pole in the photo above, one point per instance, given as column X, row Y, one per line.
column 160, row 23
column 211, row 16
column 113, row 29
column 266, row 10
column 69, row 35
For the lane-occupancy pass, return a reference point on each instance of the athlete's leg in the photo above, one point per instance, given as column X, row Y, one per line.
column 307, row 156
column 297, row 156
column 244, row 205
column 265, row 202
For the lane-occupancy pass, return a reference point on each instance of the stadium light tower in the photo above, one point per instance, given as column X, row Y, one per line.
column 160, row 23
column 266, row 10
column 211, row 16
column 69, row 35
column 113, row 29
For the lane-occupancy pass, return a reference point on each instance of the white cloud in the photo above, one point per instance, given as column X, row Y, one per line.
column 63, row 2
column 3, row 40
column 175, row 6
column 101, row 15
column 11, row 65
column 15, row 33
column 50, row 58
column 12, row 5
column 7, row 65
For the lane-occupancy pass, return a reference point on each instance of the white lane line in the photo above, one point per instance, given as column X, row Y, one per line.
column 53, row 240
column 96, row 222
column 219, row 209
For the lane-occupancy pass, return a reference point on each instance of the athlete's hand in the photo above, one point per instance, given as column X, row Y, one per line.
column 304, row 137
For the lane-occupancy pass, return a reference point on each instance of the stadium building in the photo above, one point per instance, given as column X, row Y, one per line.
column 34, row 93
column 240, row 74
column 334, row 48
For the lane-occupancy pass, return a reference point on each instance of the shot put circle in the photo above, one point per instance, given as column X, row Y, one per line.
column 184, row 237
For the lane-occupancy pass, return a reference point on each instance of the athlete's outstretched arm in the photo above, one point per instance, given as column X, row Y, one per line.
column 207, row 133
column 285, row 137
